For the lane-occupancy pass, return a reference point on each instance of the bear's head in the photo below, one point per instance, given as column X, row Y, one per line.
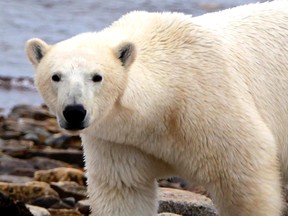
column 79, row 80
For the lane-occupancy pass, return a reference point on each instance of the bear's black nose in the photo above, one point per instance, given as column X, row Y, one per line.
column 74, row 115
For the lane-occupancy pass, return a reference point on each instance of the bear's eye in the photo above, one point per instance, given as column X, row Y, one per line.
column 56, row 77
column 97, row 78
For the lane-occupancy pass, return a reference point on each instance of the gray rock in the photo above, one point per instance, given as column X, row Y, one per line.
column 15, row 179
column 31, row 137
column 69, row 189
column 14, row 166
column 43, row 163
column 37, row 133
column 185, row 203
column 20, row 167
column 38, row 211
column 72, row 156
column 61, row 205
column 14, row 147
column 33, row 130
column 45, row 201
column 83, row 206
column 71, row 201
column 28, row 111
column 10, row 135
column 63, row 141
column 51, row 202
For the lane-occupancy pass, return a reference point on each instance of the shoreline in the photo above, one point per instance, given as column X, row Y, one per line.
column 15, row 91
column 17, row 83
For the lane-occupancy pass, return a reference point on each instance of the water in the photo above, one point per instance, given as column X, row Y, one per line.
column 54, row 20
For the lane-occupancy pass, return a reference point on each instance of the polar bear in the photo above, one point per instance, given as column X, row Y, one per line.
column 162, row 94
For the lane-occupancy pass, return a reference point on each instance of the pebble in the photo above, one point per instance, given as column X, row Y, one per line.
column 83, row 206
column 32, row 137
column 71, row 201
column 38, row 211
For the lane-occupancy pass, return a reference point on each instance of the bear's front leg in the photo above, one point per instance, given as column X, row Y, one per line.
column 121, row 179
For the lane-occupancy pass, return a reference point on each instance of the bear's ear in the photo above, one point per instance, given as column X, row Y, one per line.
column 126, row 53
column 35, row 50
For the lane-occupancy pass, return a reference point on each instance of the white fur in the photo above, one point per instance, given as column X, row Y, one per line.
column 205, row 98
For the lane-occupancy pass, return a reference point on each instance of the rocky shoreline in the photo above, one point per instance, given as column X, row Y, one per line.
column 41, row 172
column 19, row 83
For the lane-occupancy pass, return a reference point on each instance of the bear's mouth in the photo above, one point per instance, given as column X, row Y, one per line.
column 73, row 127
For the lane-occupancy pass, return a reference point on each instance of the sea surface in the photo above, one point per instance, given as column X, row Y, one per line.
column 54, row 20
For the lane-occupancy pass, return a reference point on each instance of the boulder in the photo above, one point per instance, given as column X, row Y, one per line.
column 64, row 212
column 27, row 192
column 70, row 189
column 12, row 208
column 185, row 203
column 61, row 174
